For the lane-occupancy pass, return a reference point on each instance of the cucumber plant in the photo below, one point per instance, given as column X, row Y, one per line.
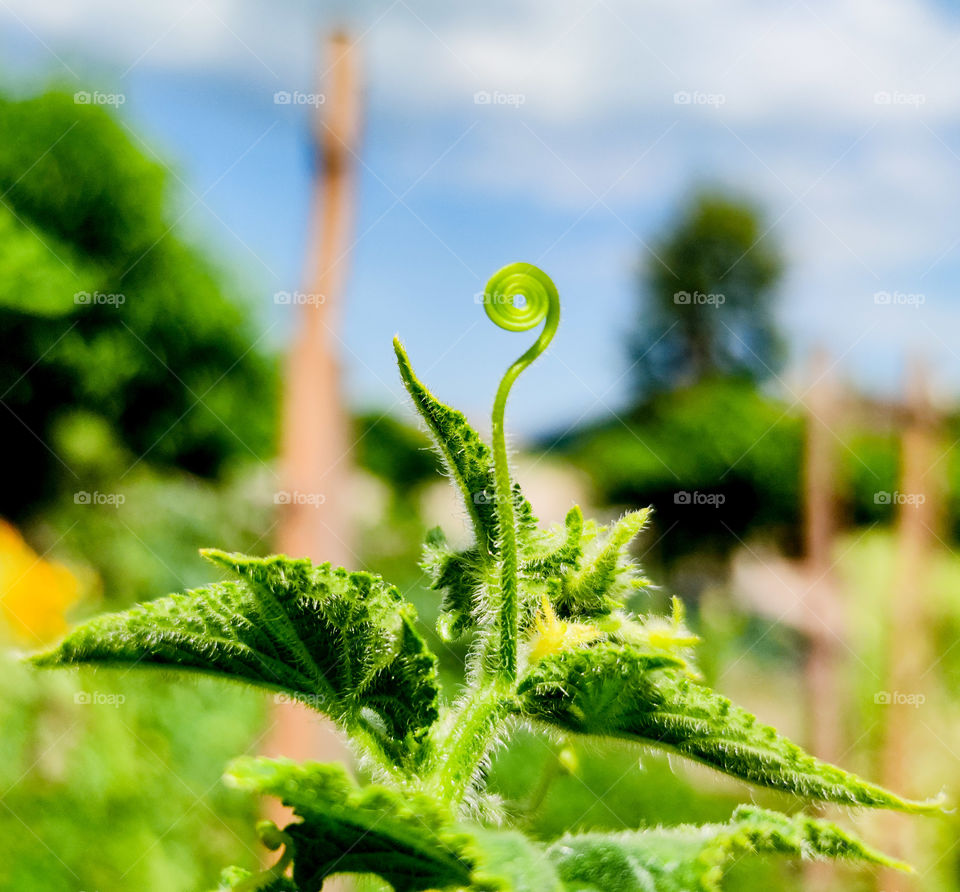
column 553, row 646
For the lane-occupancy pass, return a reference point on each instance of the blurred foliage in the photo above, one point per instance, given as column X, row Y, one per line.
column 397, row 452
column 146, row 544
column 717, row 460
column 721, row 461
column 138, row 401
column 105, row 309
column 80, row 757
column 706, row 299
column 81, row 754
column 869, row 568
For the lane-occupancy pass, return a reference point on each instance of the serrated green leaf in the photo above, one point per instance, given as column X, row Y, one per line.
column 465, row 455
column 339, row 641
column 467, row 458
column 557, row 561
column 402, row 836
column 463, row 577
column 695, row 858
column 411, row 841
column 617, row 691
column 606, row 578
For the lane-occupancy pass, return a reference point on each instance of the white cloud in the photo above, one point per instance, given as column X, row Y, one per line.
column 799, row 114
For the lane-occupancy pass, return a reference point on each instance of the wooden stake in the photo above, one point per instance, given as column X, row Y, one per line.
column 908, row 652
column 825, row 708
column 822, row 668
column 315, row 506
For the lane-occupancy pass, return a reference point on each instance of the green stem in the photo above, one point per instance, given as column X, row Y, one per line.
column 368, row 745
column 465, row 741
column 515, row 280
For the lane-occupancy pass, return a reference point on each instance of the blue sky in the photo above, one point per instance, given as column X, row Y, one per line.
column 841, row 118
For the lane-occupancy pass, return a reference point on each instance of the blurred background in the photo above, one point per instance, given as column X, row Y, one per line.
column 213, row 218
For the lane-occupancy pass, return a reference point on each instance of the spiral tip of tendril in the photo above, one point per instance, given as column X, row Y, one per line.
column 520, row 296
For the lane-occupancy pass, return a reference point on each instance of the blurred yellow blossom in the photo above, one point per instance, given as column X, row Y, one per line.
column 554, row 635
column 35, row 594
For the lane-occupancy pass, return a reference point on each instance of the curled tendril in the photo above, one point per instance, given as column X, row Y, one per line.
column 533, row 287
column 517, row 298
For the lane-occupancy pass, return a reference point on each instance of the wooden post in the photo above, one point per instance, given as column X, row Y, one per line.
column 822, row 669
column 824, row 705
column 314, row 502
column 908, row 653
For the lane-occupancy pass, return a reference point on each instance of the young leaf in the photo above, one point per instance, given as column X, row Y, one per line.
column 465, row 455
column 695, row 858
column 557, row 561
column 608, row 577
column 339, row 641
column 620, row 692
column 463, row 577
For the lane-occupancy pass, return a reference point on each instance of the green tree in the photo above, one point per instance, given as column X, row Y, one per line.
column 105, row 309
column 706, row 299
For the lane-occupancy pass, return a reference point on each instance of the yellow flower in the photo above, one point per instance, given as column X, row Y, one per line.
column 554, row 635
column 35, row 594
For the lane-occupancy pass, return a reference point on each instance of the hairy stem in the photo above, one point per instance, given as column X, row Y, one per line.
column 465, row 740
column 517, row 298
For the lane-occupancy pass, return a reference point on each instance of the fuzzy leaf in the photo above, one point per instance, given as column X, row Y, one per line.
column 404, row 837
column 411, row 842
column 339, row 641
column 608, row 576
column 695, row 858
column 462, row 577
column 619, row 691
column 567, row 554
column 466, row 456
